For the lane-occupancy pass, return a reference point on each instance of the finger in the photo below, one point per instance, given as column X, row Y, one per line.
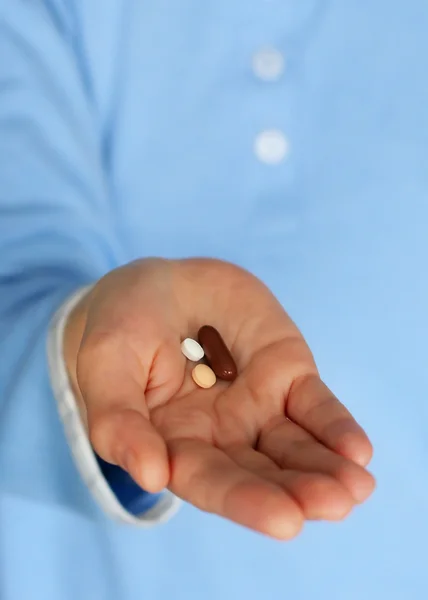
column 210, row 480
column 319, row 496
column 112, row 383
column 315, row 408
column 126, row 438
column 290, row 447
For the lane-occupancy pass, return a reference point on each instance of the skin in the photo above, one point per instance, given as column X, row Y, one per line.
column 268, row 451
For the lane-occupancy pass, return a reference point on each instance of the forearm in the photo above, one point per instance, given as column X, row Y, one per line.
column 33, row 450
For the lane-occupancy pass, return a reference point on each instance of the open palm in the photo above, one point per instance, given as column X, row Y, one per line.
column 271, row 449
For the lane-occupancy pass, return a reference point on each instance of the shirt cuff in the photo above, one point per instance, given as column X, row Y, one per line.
column 160, row 507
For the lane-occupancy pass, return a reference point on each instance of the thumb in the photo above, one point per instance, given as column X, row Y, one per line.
column 112, row 383
column 124, row 436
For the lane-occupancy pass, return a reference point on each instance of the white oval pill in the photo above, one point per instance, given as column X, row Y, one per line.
column 192, row 350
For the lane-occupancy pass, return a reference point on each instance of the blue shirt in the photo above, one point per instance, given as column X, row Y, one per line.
column 132, row 128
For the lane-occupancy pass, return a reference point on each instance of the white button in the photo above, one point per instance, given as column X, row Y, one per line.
column 271, row 146
column 268, row 64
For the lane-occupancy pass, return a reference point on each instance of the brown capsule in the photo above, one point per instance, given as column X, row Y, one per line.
column 217, row 353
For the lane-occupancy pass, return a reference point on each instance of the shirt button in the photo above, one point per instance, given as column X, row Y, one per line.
column 268, row 64
column 271, row 146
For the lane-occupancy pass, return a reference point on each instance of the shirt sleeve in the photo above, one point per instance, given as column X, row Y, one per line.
column 57, row 235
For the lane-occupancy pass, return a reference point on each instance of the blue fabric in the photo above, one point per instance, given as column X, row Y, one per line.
column 127, row 129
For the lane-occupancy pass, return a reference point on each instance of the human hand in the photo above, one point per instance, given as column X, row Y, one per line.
column 269, row 450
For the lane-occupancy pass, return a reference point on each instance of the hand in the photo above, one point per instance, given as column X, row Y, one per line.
column 271, row 449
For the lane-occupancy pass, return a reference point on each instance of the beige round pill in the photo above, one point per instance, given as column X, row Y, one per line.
column 203, row 376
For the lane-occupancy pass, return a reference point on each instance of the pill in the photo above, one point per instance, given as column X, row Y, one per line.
column 203, row 376
column 192, row 350
column 217, row 353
